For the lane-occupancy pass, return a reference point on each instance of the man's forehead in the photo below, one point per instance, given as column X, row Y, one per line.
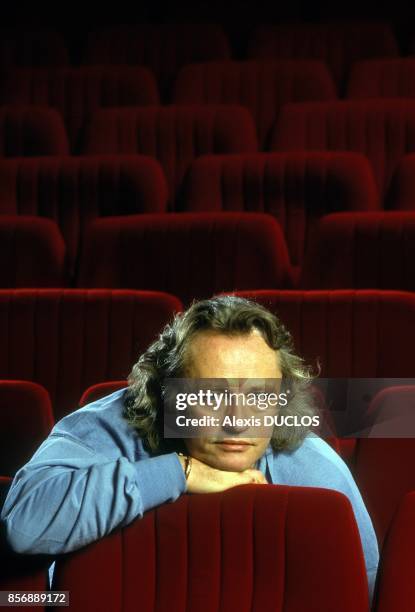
column 241, row 356
column 214, row 338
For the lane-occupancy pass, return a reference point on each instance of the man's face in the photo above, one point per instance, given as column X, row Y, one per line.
column 215, row 355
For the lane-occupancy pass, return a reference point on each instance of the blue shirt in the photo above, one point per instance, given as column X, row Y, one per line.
column 92, row 474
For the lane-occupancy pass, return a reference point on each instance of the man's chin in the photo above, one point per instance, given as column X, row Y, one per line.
column 233, row 463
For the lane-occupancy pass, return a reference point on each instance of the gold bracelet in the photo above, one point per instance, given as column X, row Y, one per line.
column 187, row 464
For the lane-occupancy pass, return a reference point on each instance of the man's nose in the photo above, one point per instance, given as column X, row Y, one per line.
column 237, row 421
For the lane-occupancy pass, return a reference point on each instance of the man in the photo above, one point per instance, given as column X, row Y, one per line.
column 107, row 463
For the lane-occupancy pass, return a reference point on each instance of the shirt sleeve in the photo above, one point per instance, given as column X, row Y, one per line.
column 339, row 477
column 68, row 495
column 316, row 464
column 367, row 533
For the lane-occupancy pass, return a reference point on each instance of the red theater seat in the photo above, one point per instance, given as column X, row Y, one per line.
column 401, row 193
column 360, row 334
column 96, row 392
column 25, row 421
column 338, row 44
column 383, row 130
column 164, row 48
column 77, row 92
column 175, row 135
column 73, row 190
column 256, row 548
column 361, row 251
column 190, row 255
column 396, row 582
column 32, row 253
column 30, row 131
column 29, row 47
column 384, row 461
column 67, row 340
column 296, row 188
column 262, row 87
column 386, row 78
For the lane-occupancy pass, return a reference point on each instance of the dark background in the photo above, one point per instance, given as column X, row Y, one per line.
column 238, row 17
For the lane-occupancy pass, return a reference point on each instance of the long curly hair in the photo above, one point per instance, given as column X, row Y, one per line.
column 166, row 358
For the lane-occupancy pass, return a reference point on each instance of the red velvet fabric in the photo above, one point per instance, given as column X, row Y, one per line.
column 175, row 135
column 192, row 255
column 384, row 465
column 296, row 188
column 77, row 92
column 262, row 87
column 383, row 130
column 95, row 392
column 361, row 251
column 396, row 582
column 74, row 190
column 163, row 48
column 32, row 253
column 383, row 78
column 26, row 419
column 251, row 548
column 362, row 334
column 30, row 131
column 338, row 44
column 401, row 193
column 67, row 340
column 32, row 47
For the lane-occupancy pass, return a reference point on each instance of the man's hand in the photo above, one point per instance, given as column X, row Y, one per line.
column 206, row 479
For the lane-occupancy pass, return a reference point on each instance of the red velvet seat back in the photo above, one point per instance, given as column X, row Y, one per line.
column 252, row 548
column 383, row 130
column 262, row 87
column 25, row 421
column 401, row 193
column 164, row 48
column 396, row 584
column 32, row 253
column 338, row 44
column 175, row 135
column 96, row 392
column 69, row 340
column 32, row 47
column 74, row 190
column 30, row 131
column 76, row 92
column 361, row 251
column 363, row 334
column 385, row 78
column 296, row 188
column 384, row 462
column 190, row 255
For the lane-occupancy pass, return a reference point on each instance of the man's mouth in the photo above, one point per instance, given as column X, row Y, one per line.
column 233, row 445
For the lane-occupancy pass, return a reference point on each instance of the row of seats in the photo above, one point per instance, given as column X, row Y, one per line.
column 27, row 419
column 194, row 255
column 285, row 562
column 382, row 130
column 316, row 577
column 166, row 48
column 70, row 339
column 261, row 87
column 295, row 188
